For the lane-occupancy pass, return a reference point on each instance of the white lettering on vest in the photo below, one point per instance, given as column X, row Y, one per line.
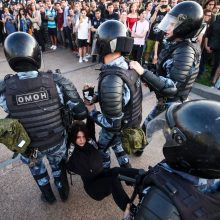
column 28, row 98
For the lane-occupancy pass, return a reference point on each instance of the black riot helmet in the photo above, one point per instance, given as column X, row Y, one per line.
column 187, row 18
column 22, row 52
column 112, row 37
column 193, row 141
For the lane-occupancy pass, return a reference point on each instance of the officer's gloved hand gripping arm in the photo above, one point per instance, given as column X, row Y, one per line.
column 71, row 97
column 110, row 124
column 160, row 84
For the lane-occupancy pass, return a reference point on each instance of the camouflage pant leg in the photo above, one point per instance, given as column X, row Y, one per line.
column 39, row 171
column 55, row 156
column 104, row 139
column 120, row 154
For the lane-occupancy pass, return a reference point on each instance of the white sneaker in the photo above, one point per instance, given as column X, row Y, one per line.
column 54, row 47
column 80, row 60
column 88, row 56
column 85, row 59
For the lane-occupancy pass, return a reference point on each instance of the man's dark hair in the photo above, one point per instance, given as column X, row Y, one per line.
column 83, row 9
column 146, row 5
column 109, row 4
column 98, row 10
column 140, row 11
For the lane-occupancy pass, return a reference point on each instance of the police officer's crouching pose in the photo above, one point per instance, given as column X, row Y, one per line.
column 119, row 90
column 36, row 99
column 178, row 62
column 186, row 185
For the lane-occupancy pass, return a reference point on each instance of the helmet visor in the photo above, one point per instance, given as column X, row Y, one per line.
column 168, row 23
column 157, row 124
column 172, row 135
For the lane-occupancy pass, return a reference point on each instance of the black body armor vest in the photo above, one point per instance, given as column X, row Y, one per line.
column 178, row 198
column 185, row 58
column 111, row 86
column 35, row 102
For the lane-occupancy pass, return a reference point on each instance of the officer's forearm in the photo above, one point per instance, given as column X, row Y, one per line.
column 78, row 109
column 71, row 97
column 158, row 84
column 107, row 123
column 68, row 89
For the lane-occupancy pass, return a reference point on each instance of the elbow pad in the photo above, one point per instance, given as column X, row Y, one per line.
column 78, row 110
column 68, row 89
column 158, row 84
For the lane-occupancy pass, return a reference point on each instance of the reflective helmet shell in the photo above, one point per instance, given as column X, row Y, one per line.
column 112, row 37
column 110, row 30
column 22, row 52
column 194, row 145
column 189, row 18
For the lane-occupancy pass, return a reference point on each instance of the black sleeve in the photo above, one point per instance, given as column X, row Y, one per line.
column 158, row 84
column 71, row 97
column 209, row 31
column 183, row 60
column 90, row 124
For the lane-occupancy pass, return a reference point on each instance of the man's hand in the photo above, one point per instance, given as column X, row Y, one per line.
column 88, row 93
column 137, row 67
column 208, row 49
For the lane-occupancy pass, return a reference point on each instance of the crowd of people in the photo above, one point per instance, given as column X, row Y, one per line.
column 186, row 183
column 73, row 25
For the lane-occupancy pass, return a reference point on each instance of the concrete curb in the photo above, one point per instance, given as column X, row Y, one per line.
column 206, row 92
column 9, row 164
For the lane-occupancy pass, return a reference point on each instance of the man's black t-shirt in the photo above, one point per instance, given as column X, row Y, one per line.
column 96, row 23
column 154, row 27
column 113, row 16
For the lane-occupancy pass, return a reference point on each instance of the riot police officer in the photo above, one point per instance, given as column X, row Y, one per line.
column 186, row 185
column 178, row 62
column 119, row 91
column 37, row 99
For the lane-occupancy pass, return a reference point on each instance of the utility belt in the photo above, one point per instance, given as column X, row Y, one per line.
column 32, row 153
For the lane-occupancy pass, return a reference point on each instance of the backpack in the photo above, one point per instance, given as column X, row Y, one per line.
column 13, row 135
column 133, row 139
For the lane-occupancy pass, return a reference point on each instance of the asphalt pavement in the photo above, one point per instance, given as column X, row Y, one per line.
column 19, row 194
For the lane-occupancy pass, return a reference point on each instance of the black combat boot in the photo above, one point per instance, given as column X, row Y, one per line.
column 64, row 190
column 126, row 165
column 47, row 194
